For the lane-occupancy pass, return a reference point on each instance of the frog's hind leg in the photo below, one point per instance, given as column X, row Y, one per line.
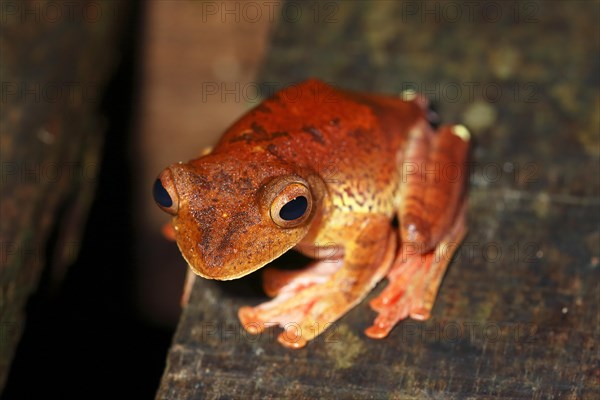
column 414, row 280
column 432, row 224
column 433, row 178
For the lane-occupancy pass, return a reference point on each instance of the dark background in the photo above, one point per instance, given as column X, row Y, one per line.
column 84, row 337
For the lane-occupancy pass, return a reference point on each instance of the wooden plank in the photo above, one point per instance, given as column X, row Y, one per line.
column 56, row 59
column 518, row 311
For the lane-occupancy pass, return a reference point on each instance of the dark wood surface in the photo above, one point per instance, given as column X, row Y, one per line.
column 56, row 60
column 518, row 311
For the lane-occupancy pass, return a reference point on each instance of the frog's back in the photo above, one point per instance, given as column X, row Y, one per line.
column 353, row 139
column 316, row 121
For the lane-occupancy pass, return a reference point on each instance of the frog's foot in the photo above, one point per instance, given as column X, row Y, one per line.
column 302, row 316
column 414, row 281
column 168, row 231
column 306, row 310
column 190, row 278
column 280, row 282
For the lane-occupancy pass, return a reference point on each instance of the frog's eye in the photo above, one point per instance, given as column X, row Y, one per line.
column 292, row 206
column 164, row 193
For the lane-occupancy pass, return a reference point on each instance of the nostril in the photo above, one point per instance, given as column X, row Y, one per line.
column 161, row 196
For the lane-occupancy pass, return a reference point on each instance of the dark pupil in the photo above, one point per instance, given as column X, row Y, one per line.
column 161, row 196
column 294, row 209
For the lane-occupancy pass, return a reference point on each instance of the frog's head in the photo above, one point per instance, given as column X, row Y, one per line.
column 232, row 217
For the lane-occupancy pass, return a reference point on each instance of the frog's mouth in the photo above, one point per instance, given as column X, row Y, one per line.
column 226, row 272
column 231, row 261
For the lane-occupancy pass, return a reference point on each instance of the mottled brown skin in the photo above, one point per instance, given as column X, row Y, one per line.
column 347, row 153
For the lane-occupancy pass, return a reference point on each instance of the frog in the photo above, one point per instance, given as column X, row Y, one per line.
column 369, row 186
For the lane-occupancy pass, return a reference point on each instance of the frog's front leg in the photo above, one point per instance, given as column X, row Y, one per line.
column 432, row 225
column 305, row 312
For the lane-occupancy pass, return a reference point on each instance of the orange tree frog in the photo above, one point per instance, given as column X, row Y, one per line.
column 361, row 182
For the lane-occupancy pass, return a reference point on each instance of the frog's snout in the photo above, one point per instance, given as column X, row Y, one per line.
column 165, row 194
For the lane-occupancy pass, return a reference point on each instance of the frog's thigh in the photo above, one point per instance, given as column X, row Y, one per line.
column 432, row 184
column 432, row 225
